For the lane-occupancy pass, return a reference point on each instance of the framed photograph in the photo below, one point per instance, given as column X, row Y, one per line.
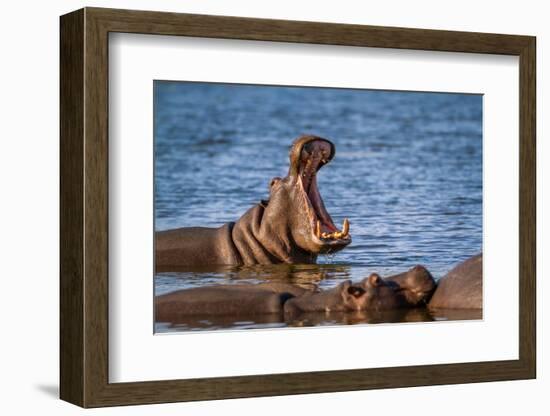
column 255, row 207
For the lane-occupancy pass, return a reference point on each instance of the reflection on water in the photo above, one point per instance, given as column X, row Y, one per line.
column 407, row 173
column 305, row 275
column 275, row 320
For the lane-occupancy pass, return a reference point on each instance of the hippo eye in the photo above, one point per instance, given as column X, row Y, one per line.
column 274, row 181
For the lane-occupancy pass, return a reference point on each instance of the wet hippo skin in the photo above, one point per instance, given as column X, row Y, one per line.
column 344, row 297
column 293, row 226
column 231, row 300
column 405, row 290
column 462, row 287
column 417, row 285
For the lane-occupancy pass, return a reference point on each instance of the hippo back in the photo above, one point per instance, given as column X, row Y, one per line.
column 218, row 300
column 462, row 287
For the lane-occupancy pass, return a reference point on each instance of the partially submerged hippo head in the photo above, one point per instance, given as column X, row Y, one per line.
column 406, row 290
column 410, row 289
column 295, row 205
column 342, row 298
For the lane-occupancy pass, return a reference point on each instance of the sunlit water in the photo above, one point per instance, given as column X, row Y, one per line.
column 407, row 173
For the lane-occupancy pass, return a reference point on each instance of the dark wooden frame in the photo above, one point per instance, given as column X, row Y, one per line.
column 84, row 207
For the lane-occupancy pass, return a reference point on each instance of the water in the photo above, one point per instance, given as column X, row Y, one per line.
column 407, row 173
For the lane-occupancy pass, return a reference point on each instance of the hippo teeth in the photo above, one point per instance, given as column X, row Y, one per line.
column 345, row 228
column 336, row 234
column 318, row 229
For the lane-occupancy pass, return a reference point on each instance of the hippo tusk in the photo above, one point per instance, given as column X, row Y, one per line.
column 336, row 234
column 345, row 228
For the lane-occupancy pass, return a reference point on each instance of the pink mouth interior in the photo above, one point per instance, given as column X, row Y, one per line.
column 314, row 155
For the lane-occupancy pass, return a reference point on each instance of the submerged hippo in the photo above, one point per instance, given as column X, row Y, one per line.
column 461, row 288
column 292, row 226
column 220, row 300
column 406, row 290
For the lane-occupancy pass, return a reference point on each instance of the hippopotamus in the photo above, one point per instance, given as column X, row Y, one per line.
column 410, row 289
column 292, row 226
column 460, row 288
column 220, row 300
column 405, row 290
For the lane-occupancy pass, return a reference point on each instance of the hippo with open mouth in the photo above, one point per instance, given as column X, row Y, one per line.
column 292, row 226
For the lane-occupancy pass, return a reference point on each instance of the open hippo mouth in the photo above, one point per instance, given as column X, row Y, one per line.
column 307, row 156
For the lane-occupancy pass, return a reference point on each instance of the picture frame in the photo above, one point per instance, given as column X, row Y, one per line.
column 84, row 215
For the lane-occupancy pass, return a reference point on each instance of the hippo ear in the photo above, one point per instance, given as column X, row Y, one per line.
column 373, row 280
